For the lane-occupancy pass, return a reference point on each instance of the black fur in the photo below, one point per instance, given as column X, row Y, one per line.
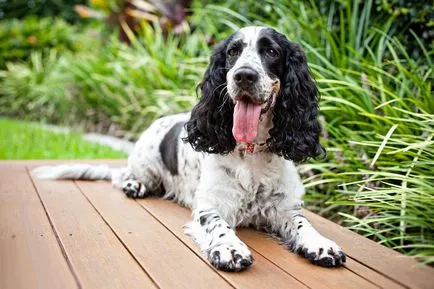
column 210, row 126
column 169, row 148
column 295, row 132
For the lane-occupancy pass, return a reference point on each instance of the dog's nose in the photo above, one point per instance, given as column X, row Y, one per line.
column 245, row 76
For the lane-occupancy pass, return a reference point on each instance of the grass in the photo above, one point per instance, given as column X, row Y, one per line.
column 23, row 140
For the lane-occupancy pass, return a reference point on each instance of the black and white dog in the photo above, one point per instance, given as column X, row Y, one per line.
column 231, row 158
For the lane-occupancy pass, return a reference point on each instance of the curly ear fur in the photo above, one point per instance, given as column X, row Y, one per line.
column 295, row 132
column 210, row 126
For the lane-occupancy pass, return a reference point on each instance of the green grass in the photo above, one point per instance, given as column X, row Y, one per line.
column 23, row 140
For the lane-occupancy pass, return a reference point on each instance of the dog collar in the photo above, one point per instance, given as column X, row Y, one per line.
column 251, row 147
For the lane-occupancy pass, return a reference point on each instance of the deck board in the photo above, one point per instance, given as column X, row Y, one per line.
column 314, row 277
column 263, row 274
column 155, row 247
column 29, row 253
column 390, row 263
column 66, row 234
column 97, row 256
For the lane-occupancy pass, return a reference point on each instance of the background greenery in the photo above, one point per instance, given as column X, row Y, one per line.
column 372, row 61
column 23, row 140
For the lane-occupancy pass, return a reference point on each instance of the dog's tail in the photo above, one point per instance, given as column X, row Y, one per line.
column 75, row 172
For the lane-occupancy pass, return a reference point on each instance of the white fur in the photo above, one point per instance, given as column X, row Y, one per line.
column 76, row 171
column 250, row 58
column 259, row 189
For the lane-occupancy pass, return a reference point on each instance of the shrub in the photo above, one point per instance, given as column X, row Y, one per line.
column 131, row 86
column 38, row 89
column 128, row 86
column 18, row 38
column 42, row 8
column 402, row 17
column 414, row 15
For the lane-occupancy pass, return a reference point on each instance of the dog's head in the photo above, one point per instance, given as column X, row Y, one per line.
column 256, row 71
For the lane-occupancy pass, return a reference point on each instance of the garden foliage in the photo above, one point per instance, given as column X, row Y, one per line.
column 19, row 38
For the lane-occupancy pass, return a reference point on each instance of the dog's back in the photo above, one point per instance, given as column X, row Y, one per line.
column 160, row 160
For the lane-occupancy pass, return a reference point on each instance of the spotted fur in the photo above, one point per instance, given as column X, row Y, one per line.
column 225, row 183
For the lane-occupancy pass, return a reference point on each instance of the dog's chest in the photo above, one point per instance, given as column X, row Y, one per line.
column 259, row 179
column 261, row 201
column 257, row 172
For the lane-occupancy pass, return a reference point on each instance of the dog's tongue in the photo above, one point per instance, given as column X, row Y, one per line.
column 246, row 120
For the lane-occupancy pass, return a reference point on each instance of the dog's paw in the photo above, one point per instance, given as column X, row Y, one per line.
column 134, row 189
column 229, row 257
column 322, row 252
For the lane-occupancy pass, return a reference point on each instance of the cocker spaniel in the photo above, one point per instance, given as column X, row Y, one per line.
column 231, row 159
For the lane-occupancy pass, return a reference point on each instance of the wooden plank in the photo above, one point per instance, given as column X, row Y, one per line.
column 315, row 276
column 390, row 263
column 262, row 274
column 370, row 254
column 97, row 256
column 35, row 163
column 371, row 274
column 166, row 259
column 30, row 256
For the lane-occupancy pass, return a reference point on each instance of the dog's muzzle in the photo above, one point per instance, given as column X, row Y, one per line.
column 245, row 78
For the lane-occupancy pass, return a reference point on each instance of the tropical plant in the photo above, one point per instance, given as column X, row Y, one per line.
column 127, row 15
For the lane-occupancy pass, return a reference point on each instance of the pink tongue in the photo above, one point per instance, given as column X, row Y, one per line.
column 246, row 120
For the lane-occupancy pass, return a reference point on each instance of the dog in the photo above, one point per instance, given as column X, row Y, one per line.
column 231, row 160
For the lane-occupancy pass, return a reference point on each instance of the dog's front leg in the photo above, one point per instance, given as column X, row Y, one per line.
column 218, row 241
column 302, row 238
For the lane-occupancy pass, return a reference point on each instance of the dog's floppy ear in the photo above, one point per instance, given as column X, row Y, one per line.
column 296, row 130
column 210, row 126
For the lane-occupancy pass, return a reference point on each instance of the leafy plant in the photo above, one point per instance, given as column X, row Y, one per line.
column 379, row 133
column 127, row 86
column 131, row 86
column 36, row 89
column 127, row 15
column 42, row 8
column 412, row 16
column 18, row 38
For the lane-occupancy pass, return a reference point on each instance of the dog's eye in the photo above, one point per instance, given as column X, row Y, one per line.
column 271, row 52
column 233, row 51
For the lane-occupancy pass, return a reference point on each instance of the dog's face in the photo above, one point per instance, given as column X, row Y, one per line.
column 253, row 71
column 254, row 60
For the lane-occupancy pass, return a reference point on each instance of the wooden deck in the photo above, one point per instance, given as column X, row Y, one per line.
column 79, row 234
